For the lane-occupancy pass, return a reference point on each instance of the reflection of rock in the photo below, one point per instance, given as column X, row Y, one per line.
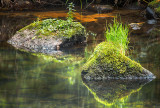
column 151, row 16
column 9, row 25
column 136, row 26
column 134, row 6
column 108, row 92
column 107, row 63
column 100, row 8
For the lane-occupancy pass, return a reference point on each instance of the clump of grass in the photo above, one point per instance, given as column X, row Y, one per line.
column 71, row 11
column 117, row 33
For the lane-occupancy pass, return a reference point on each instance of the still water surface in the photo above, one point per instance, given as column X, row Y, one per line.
column 30, row 81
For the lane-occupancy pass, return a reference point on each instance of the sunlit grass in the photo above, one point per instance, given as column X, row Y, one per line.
column 117, row 33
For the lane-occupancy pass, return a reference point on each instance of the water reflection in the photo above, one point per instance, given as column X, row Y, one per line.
column 37, row 81
column 9, row 25
column 111, row 92
column 34, row 81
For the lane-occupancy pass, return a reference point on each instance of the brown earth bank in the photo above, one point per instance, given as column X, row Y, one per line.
column 43, row 4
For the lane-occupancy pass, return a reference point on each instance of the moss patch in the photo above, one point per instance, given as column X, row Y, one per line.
column 56, row 27
column 107, row 62
column 156, row 5
column 109, row 56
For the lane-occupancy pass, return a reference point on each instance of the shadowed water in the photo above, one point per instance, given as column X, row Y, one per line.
column 31, row 81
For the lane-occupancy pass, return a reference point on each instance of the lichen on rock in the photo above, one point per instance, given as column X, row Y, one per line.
column 108, row 63
column 49, row 36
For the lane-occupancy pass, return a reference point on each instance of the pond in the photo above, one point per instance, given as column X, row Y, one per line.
column 30, row 81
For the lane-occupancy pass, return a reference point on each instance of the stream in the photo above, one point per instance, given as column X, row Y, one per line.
column 30, row 81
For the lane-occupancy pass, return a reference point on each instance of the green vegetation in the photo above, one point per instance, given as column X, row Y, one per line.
column 117, row 34
column 57, row 27
column 108, row 56
column 156, row 5
column 71, row 11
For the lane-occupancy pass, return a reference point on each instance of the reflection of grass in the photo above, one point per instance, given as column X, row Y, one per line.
column 117, row 34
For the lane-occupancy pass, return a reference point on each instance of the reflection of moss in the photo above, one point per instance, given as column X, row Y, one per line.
column 111, row 92
column 49, row 58
column 107, row 57
column 59, row 59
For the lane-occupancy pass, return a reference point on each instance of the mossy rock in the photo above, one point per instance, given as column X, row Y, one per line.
column 113, row 92
column 108, row 63
column 155, row 4
column 49, row 36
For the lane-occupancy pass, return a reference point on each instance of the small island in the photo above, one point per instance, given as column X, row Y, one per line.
column 109, row 60
column 49, row 36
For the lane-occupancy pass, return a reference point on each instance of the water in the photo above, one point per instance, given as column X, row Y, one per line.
column 30, row 81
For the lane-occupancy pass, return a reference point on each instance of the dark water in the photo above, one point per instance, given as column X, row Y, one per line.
column 31, row 81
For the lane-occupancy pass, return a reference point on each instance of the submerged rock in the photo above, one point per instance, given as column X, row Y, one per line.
column 150, row 14
column 100, row 8
column 49, row 36
column 108, row 63
column 110, row 92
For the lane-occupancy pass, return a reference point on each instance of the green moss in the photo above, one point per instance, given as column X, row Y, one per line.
column 107, row 54
column 156, row 5
column 157, row 9
column 53, row 27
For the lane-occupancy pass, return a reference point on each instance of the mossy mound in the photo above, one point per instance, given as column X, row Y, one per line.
column 108, row 63
column 155, row 4
column 49, row 36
